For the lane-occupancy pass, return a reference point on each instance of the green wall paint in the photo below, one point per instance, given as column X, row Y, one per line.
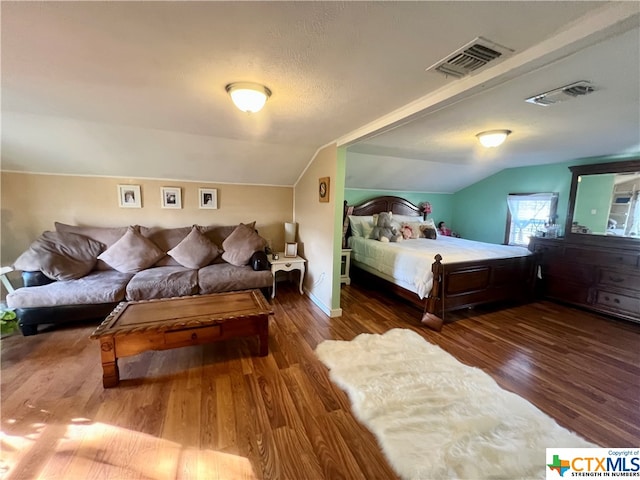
column 441, row 203
column 480, row 210
column 338, row 222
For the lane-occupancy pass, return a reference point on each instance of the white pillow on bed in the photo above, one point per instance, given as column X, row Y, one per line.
column 361, row 225
column 407, row 218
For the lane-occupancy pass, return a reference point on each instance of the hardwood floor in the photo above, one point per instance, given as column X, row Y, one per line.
column 218, row 411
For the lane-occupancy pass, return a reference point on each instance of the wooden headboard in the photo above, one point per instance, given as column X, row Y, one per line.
column 396, row 205
column 387, row 203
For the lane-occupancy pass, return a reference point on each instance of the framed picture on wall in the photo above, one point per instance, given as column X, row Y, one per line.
column 323, row 189
column 208, row 198
column 171, row 197
column 129, row 196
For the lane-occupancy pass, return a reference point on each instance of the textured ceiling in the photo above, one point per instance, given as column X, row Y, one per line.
column 136, row 89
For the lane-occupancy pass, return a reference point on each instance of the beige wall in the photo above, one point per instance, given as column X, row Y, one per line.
column 31, row 203
column 317, row 230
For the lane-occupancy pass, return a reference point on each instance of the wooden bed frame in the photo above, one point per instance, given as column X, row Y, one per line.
column 456, row 285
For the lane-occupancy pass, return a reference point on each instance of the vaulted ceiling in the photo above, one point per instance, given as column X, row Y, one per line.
column 136, row 89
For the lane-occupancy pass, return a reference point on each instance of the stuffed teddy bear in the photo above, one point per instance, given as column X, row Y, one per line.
column 384, row 231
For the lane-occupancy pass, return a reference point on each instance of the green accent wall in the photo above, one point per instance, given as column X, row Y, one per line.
column 441, row 203
column 480, row 210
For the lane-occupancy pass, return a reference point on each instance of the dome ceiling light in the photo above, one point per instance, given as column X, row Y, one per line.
column 493, row 138
column 248, row 97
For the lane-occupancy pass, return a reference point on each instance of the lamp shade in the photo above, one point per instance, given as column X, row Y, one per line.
column 248, row 97
column 290, row 230
column 493, row 138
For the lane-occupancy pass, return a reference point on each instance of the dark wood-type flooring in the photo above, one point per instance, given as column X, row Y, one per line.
column 219, row 412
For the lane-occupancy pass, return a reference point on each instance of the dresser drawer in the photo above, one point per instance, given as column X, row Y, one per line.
column 617, row 301
column 573, row 272
column 561, row 289
column 620, row 279
column 601, row 257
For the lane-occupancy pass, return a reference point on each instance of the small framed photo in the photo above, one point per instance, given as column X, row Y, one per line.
column 290, row 249
column 171, row 197
column 323, row 189
column 208, row 198
column 129, row 196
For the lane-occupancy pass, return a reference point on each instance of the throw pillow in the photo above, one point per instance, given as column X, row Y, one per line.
column 241, row 244
column 427, row 231
column 131, row 253
column 60, row 256
column 194, row 251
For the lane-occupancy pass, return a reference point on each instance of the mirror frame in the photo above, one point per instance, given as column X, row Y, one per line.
column 593, row 169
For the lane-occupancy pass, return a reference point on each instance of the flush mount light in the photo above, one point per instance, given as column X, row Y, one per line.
column 248, row 97
column 493, row 138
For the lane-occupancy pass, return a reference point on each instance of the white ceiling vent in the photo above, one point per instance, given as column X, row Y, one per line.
column 469, row 58
column 562, row 94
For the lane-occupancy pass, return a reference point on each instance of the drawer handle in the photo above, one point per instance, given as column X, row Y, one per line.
column 287, row 265
column 616, row 279
column 194, row 336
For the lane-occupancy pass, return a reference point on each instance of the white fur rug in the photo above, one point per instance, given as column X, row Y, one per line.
column 435, row 417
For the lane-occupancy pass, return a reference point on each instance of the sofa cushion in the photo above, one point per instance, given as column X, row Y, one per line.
column 241, row 244
column 163, row 282
column 60, row 256
column 218, row 234
column 131, row 253
column 224, row 277
column 166, row 239
column 105, row 235
column 97, row 287
column 195, row 250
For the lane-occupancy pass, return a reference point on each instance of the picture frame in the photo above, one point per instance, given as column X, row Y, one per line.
column 290, row 250
column 323, row 189
column 208, row 198
column 129, row 196
column 171, row 197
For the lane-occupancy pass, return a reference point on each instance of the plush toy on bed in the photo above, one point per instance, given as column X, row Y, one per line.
column 384, row 231
column 406, row 231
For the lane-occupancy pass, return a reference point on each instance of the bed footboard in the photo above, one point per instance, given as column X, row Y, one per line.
column 467, row 284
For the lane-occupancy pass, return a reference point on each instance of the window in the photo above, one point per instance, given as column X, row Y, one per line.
column 529, row 213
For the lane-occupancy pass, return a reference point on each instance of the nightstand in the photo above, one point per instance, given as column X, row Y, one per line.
column 345, row 266
column 286, row 264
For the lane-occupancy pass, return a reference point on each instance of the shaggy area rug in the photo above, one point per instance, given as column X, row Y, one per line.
column 435, row 417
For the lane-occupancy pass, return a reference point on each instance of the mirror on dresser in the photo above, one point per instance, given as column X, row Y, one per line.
column 604, row 204
column 596, row 265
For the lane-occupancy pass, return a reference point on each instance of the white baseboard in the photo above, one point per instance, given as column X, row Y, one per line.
column 331, row 312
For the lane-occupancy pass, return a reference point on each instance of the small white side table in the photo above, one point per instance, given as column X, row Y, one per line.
column 286, row 264
column 345, row 266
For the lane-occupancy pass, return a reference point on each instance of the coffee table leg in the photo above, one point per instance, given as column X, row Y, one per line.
column 263, row 336
column 110, row 372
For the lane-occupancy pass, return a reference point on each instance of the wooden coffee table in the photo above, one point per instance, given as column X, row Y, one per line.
column 135, row 327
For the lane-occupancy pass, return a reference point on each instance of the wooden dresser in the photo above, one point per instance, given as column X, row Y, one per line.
column 601, row 278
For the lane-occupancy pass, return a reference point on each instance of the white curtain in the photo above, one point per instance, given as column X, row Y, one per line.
column 529, row 211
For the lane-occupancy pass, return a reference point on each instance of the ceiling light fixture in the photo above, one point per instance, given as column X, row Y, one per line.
column 493, row 138
column 248, row 97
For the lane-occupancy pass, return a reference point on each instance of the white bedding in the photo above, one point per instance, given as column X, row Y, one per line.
column 408, row 263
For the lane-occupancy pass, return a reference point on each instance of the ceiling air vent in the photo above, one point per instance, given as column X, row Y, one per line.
column 469, row 58
column 562, row 94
